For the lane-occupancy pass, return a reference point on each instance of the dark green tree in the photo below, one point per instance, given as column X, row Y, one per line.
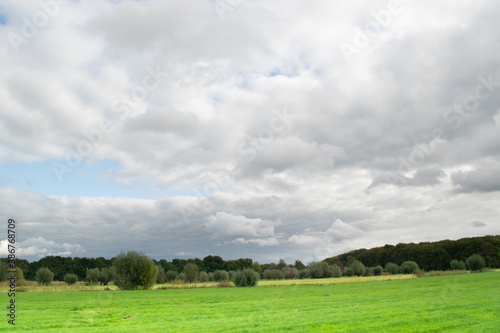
column 134, row 270
column 475, row 262
column 44, row 276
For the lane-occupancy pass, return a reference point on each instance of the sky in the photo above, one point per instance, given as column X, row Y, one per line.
column 247, row 128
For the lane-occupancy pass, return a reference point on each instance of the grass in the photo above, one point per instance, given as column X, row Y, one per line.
column 454, row 303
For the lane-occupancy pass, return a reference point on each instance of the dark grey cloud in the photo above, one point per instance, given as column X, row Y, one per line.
column 423, row 177
column 486, row 178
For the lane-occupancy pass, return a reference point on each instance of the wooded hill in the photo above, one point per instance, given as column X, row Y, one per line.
column 429, row 256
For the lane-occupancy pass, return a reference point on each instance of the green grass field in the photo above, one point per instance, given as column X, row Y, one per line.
column 456, row 303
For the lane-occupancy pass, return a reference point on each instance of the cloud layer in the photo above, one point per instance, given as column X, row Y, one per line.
column 271, row 130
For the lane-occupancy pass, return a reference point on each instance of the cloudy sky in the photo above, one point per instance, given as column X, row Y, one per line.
column 247, row 128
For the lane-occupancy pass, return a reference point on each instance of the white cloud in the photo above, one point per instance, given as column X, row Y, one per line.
column 40, row 247
column 222, row 225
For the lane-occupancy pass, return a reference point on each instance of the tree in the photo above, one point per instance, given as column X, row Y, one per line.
column 348, row 271
column 336, row 271
column 457, row 265
column 358, row 268
column 377, row 270
column 92, row 276
column 203, row 277
column 105, row 275
column 70, row 278
column 299, row 265
column 44, row 276
column 221, row 275
column 408, row 267
column 289, row 273
column 392, row 268
column 246, row 278
column 4, row 267
column 213, row 263
column 134, row 270
column 160, row 278
column 191, row 272
column 171, row 276
column 475, row 262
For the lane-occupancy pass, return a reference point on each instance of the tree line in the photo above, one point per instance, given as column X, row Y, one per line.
column 429, row 255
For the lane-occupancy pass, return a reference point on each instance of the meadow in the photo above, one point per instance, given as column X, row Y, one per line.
column 454, row 303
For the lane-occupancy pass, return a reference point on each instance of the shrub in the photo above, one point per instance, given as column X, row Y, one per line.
column 171, row 275
column 408, row 267
column 211, row 277
column 181, row 277
column 457, row 265
column 358, row 268
column 289, row 273
column 20, row 281
column 246, row 278
column 70, row 279
column 377, row 270
column 348, row 271
column 191, row 272
column 92, row 276
column 224, row 284
column 231, row 275
column 475, row 262
column 272, row 274
column 44, row 276
column 134, row 270
column 203, row 277
column 304, row 273
column 392, row 268
column 160, row 278
column 105, row 276
column 336, row 271
column 221, row 275
column 319, row 270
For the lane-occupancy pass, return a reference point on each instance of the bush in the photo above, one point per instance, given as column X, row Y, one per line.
column 44, row 276
column 181, row 277
column 211, row 277
column 336, row 271
column 475, row 262
column 171, row 275
column 221, row 275
column 289, row 273
column 105, row 275
column 70, row 279
column 134, row 270
column 231, row 275
column 457, row 265
column 92, row 277
column 191, row 272
column 272, row 274
column 160, row 278
column 203, row 277
column 348, row 271
column 246, row 278
column 358, row 268
column 304, row 273
column 377, row 270
column 408, row 267
column 392, row 268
